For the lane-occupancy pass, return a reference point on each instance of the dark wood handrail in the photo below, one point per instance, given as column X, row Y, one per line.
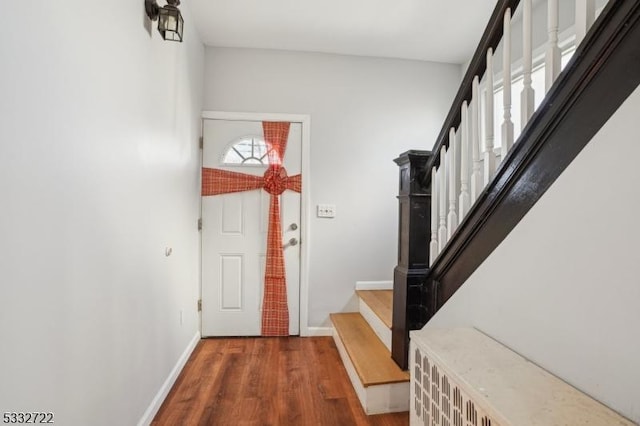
column 477, row 66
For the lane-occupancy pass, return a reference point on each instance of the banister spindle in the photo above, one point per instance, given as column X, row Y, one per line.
column 489, row 155
column 585, row 16
column 433, row 246
column 465, row 201
column 452, row 217
column 476, row 175
column 442, row 178
column 552, row 60
column 528, row 94
column 507, row 124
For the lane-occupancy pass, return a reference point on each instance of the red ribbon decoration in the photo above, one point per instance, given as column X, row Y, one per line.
column 275, row 311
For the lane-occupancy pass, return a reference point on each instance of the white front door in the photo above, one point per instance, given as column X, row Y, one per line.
column 234, row 231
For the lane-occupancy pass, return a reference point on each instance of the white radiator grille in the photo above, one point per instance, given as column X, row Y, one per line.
column 438, row 400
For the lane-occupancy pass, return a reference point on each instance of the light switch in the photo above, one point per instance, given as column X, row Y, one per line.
column 326, row 210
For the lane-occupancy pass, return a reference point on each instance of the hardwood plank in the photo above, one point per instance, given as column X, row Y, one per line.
column 380, row 302
column 190, row 404
column 370, row 357
column 267, row 381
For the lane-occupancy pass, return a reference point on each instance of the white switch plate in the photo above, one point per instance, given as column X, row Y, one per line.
column 326, row 210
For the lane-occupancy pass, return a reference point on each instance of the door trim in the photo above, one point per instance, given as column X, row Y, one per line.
column 305, row 121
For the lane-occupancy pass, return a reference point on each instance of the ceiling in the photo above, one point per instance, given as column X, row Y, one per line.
column 430, row 30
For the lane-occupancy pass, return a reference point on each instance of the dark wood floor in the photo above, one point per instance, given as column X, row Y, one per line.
column 267, row 381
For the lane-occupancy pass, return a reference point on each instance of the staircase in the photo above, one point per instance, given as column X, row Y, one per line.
column 364, row 342
column 478, row 193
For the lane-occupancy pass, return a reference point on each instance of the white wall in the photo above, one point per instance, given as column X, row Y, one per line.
column 364, row 112
column 563, row 289
column 98, row 174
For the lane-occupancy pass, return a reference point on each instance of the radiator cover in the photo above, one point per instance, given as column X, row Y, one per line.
column 462, row 377
column 438, row 400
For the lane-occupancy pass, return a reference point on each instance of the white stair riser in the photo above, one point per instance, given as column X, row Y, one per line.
column 382, row 331
column 374, row 285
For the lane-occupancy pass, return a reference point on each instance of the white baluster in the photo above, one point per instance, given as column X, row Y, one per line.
column 585, row 15
column 452, row 217
column 442, row 178
column 476, row 175
column 507, row 124
column 433, row 246
column 489, row 155
column 465, row 199
column 552, row 60
column 528, row 94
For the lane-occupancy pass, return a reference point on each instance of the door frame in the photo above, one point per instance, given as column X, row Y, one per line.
column 305, row 121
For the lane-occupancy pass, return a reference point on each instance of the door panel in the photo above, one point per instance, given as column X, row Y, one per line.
column 231, row 282
column 232, row 214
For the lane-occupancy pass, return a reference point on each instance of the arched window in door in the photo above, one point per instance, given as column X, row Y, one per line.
column 248, row 150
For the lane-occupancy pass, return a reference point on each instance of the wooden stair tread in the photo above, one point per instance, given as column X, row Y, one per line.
column 369, row 356
column 380, row 302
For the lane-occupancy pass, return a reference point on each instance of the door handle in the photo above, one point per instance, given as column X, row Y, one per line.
column 293, row 226
column 292, row 242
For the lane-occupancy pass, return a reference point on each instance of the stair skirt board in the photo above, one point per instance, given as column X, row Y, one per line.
column 382, row 331
column 375, row 399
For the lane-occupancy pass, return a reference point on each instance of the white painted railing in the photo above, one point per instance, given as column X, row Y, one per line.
column 470, row 159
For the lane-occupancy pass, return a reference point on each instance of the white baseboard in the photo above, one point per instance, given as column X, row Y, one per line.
column 319, row 331
column 374, row 285
column 157, row 401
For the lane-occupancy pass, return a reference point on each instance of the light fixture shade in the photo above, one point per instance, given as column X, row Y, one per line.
column 170, row 23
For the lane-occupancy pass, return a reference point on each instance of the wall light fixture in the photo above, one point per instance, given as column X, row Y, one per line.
column 170, row 22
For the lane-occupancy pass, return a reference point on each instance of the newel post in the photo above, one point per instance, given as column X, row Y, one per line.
column 414, row 230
